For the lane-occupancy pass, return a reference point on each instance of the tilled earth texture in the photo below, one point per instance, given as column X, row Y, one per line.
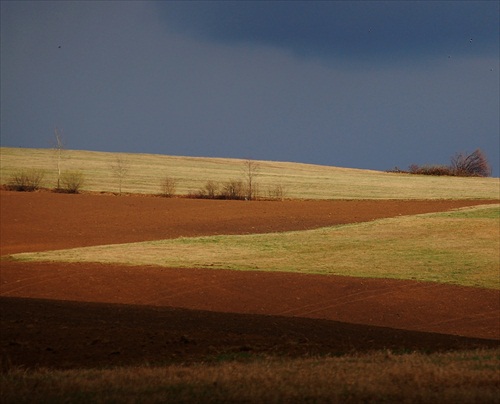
column 62, row 315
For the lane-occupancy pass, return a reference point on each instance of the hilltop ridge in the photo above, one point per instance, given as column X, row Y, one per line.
column 145, row 173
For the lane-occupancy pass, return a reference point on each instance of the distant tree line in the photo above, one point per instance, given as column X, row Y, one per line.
column 474, row 164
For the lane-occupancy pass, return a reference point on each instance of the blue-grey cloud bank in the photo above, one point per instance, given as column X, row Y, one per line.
column 354, row 84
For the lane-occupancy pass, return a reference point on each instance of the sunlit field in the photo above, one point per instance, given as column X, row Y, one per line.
column 298, row 181
column 460, row 247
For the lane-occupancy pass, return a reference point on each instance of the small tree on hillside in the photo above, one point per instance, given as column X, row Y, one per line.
column 250, row 171
column 474, row 164
column 120, row 169
column 59, row 148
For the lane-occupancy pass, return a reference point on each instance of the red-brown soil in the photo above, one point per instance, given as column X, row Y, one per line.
column 82, row 315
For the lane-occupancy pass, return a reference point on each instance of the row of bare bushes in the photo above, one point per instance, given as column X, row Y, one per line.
column 232, row 189
column 244, row 188
column 237, row 190
column 474, row 164
column 31, row 179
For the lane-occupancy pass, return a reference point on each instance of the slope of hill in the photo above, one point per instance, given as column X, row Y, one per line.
column 145, row 173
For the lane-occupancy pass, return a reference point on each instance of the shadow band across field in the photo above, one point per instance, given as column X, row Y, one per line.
column 63, row 334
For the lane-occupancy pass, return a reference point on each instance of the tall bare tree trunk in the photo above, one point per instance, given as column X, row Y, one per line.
column 59, row 146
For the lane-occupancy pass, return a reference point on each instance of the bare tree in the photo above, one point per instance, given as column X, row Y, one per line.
column 168, row 186
column 120, row 169
column 250, row 170
column 59, row 148
column 474, row 164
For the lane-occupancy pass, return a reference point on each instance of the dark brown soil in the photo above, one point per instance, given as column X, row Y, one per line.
column 84, row 315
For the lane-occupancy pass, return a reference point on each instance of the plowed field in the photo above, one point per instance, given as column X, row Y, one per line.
column 82, row 315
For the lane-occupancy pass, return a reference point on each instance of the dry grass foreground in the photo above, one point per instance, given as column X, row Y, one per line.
column 381, row 377
column 184, row 315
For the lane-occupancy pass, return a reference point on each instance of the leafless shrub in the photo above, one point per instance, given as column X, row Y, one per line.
column 276, row 192
column 71, row 182
column 474, row 164
column 26, row 180
column 208, row 191
column 211, row 189
column 168, row 186
column 430, row 170
column 233, row 189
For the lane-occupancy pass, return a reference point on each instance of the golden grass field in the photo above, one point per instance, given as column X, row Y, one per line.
column 299, row 181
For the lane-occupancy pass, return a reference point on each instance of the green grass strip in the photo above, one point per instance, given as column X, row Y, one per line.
column 462, row 247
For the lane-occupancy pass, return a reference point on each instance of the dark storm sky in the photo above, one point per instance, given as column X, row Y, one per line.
column 354, row 84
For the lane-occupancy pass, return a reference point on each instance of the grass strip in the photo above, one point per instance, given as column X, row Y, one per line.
column 461, row 247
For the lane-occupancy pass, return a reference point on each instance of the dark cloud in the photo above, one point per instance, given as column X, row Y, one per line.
column 354, row 30
column 166, row 77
